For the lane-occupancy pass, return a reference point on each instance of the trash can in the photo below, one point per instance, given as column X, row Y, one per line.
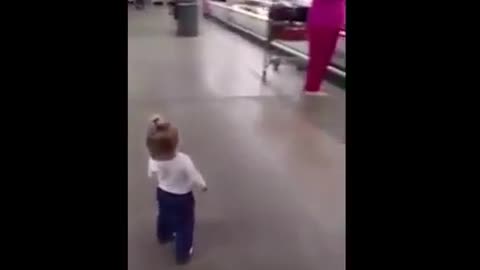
column 187, row 18
column 139, row 4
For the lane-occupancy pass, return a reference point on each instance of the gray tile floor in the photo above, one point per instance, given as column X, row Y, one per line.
column 274, row 160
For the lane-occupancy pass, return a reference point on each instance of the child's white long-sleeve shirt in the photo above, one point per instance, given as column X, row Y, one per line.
column 177, row 176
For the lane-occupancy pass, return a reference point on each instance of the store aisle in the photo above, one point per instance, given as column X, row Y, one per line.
column 274, row 160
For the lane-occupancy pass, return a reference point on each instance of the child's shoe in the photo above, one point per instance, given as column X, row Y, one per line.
column 168, row 240
column 187, row 259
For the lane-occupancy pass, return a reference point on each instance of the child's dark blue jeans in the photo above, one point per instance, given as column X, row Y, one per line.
column 176, row 215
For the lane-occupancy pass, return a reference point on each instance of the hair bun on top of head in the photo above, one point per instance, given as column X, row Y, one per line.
column 161, row 126
column 162, row 138
column 158, row 123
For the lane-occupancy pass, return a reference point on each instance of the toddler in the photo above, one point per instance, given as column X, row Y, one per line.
column 176, row 176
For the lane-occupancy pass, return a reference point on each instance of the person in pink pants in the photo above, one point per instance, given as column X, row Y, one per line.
column 205, row 8
column 325, row 20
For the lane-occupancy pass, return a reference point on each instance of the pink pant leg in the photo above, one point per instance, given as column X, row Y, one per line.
column 322, row 42
column 205, row 7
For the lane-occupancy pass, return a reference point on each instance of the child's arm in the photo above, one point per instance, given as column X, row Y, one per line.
column 195, row 175
column 152, row 169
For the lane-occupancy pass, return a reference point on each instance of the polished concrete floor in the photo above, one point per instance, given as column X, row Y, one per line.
column 274, row 159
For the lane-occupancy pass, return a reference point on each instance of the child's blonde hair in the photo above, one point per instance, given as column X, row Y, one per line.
column 162, row 138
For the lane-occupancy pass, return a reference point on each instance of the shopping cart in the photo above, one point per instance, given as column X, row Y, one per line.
column 287, row 24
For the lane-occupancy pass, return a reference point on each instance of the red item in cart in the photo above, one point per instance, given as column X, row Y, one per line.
column 290, row 33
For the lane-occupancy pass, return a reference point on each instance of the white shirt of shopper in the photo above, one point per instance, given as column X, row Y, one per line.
column 177, row 176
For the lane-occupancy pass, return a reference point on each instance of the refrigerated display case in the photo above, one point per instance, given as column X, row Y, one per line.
column 251, row 16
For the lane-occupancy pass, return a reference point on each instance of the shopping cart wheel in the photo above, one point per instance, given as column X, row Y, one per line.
column 276, row 64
